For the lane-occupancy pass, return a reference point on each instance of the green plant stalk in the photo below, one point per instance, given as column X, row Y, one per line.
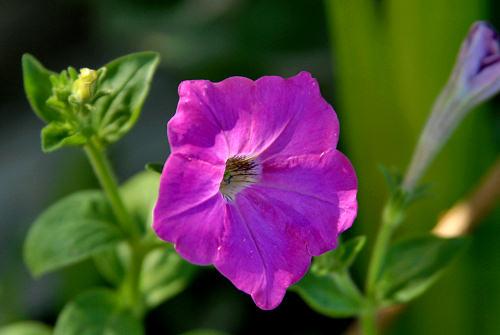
column 392, row 215
column 130, row 289
column 368, row 321
column 108, row 182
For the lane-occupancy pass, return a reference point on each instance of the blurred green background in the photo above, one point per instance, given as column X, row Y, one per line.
column 380, row 63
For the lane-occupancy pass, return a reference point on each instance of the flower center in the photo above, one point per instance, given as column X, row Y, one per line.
column 240, row 173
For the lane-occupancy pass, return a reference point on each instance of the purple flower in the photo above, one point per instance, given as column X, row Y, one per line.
column 254, row 184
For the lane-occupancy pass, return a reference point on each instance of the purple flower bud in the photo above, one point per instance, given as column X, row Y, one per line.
column 478, row 65
column 475, row 78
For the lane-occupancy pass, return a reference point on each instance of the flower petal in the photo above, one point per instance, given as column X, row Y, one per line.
column 322, row 188
column 194, row 131
column 259, row 254
column 271, row 115
column 190, row 210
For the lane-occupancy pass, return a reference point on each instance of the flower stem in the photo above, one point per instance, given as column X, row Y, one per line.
column 392, row 215
column 130, row 287
column 368, row 322
column 377, row 257
column 107, row 180
column 131, row 293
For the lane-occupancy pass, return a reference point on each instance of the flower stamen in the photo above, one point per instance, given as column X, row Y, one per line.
column 240, row 173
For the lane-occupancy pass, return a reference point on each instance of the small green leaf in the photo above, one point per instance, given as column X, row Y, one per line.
column 204, row 332
column 154, row 167
column 345, row 254
column 38, row 87
column 74, row 228
column 331, row 294
column 413, row 265
column 139, row 194
column 126, row 82
column 164, row 275
column 56, row 135
column 341, row 257
column 26, row 328
column 111, row 263
column 97, row 312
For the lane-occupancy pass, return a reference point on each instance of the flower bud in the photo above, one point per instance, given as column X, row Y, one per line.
column 475, row 78
column 83, row 87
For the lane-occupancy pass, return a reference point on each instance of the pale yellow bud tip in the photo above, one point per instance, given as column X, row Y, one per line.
column 84, row 85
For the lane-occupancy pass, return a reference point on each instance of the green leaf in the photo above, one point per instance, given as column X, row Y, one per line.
column 139, row 194
column 56, row 135
column 97, row 312
column 74, row 228
column 26, row 328
column 38, row 87
column 154, row 167
column 345, row 254
column 413, row 265
column 164, row 275
column 332, row 294
column 126, row 83
column 204, row 332
column 111, row 263
column 340, row 258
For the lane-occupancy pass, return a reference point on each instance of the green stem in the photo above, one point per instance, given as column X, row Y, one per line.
column 393, row 214
column 108, row 182
column 368, row 322
column 131, row 291
column 377, row 257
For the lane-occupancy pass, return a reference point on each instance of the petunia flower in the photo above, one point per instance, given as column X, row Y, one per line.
column 254, row 184
column 475, row 79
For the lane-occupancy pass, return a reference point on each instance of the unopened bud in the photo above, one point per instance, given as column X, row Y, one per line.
column 475, row 78
column 83, row 87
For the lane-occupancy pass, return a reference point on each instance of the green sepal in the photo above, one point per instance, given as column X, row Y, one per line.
column 97, row 311
column 26, row 328
column 74, row 228
column 154, row 167
column 341, row 258
column 332, row 294
column 413, row 265
column 126, row 82
column 38, row 88
column 56, row 135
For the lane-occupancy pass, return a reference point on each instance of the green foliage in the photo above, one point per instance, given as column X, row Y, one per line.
column 327, row 287
column 112, row 263
column 97, row 312
column 341, row 258
column 139, row 195
column 164, row 275
column 38, row 88
column 413, row 265
column 26, row 328
column 112, row 105
column 56, row 135
column 332, row 294
column 74, row 228
column 126, row 84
